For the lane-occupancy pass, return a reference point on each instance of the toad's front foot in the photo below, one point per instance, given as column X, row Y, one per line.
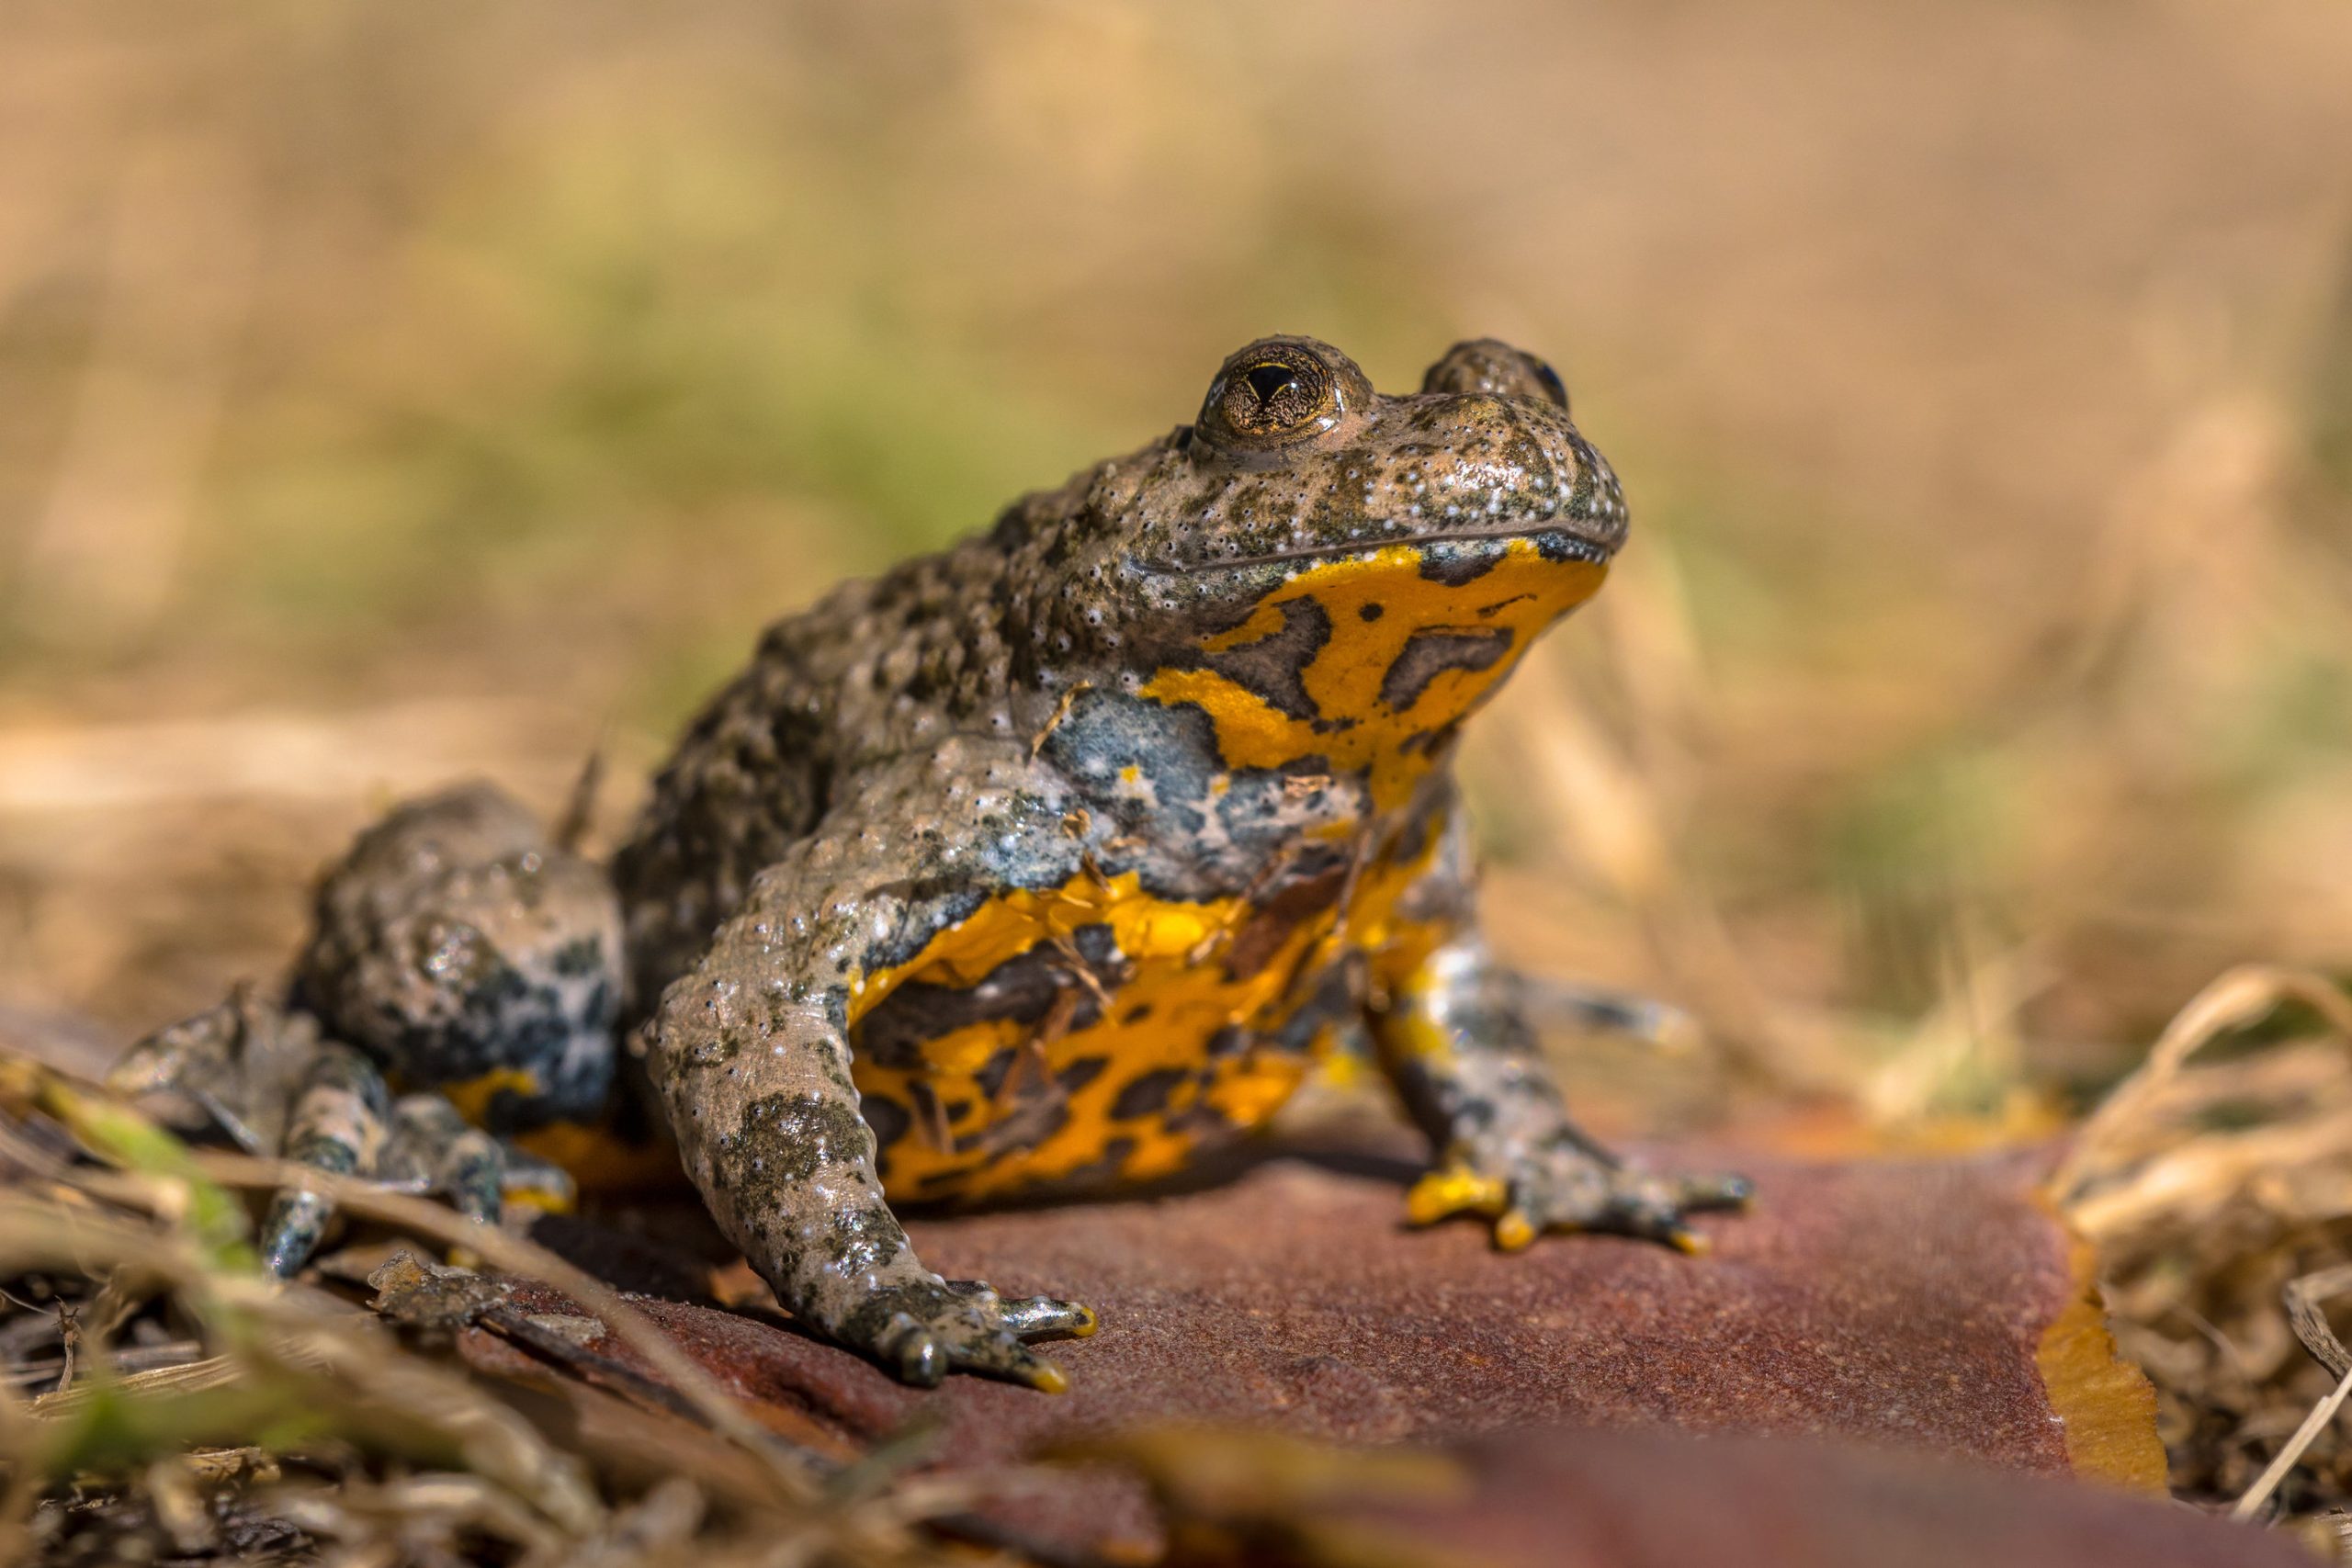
column 925, row 1329
column 1564, row 1184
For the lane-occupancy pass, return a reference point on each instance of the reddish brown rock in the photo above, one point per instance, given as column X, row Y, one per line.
column 1904, row 1305
column 1656, row 1499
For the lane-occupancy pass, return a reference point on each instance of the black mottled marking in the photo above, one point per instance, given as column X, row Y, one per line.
column 864, row 1237
column 1025, row 1126
column 994, row 1071
column 1203, row 1122
column 1147, row 1094
column 1430, row 742
column 1274, row 667
column 468, row 1009
column 1313, row 886
column 1371, row 612
column 1104, row 1170
column 931, row 1117
column 1428, row 654
column 921, row 1300
column 782, row 1142
column 1022, row 988
column 887, row 1118
column 1137, row 1013
column 946, row 1180
column 581, row 956
column 1456, row 568
column 1558, row 545
column 948, row 905
column 1230, row 1041
column 1427, row 816
column 1337, row 998
column 1081, row 1072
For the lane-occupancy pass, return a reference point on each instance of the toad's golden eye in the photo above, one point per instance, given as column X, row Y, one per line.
column 1271, row 396
column 1273, row 391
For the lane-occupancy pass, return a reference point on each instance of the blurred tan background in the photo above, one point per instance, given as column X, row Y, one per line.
column 390, row 393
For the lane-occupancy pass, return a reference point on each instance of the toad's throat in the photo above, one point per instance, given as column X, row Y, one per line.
column 1366, row 665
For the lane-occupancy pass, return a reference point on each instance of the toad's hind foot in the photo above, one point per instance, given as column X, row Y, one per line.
column 925, row 1330
column 421, row 1145
column 268, row 1079
column 1566, row 1188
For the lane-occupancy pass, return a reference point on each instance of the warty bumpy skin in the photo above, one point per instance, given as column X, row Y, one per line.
column 1056, row 858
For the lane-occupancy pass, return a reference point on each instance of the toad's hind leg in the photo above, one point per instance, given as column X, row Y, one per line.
column 340, row 1123
column 459, row 955
column 467, row 951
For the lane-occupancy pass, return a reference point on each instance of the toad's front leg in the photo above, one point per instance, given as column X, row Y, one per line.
column 751, row 1053
column 1456, row 1041
column 1468, row 1068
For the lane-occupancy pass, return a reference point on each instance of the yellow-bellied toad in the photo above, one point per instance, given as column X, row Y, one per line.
column 1052, row 859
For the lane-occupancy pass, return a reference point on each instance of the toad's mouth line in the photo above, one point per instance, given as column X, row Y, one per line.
column 1581, row 548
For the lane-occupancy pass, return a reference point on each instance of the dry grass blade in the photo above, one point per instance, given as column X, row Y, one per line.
column 2302, row 1297
column 2192, row 1184
column 399, row 1455
column 2240, row 996
column 294, row 1361
column 2313, row 1424
column 176, row 1181
column 2213, row 1192
column 516, row 1256
column 214, row 1371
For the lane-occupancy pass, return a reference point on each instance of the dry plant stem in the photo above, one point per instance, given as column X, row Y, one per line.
column 2238, row 998
column 510, row 1465
column 2313, row 1424
column 516, row 1256
column 271, row 1328
column 509, row 1252
column 2303, row 1296
column 2180, row 1205
column 2197, row 1176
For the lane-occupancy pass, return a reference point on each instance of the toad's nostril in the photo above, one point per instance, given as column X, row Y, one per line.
column 1269, row 382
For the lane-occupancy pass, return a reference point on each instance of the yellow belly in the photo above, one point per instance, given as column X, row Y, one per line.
column 1160, row 1091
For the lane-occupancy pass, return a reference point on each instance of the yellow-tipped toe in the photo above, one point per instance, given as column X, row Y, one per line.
column 538, row 1198
column 1453, row 1191
column 1691, row 1244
